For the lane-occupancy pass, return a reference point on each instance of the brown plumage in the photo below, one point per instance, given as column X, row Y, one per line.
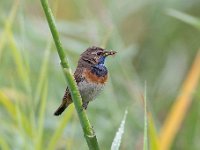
column 90, row 76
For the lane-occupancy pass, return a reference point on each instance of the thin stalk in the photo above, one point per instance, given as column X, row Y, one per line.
column 87, row 128
column 145, row 140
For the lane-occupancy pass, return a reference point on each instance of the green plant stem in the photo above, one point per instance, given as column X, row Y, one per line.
column 87, row 128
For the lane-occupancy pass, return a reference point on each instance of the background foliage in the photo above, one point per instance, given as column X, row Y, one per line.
column 155, row 42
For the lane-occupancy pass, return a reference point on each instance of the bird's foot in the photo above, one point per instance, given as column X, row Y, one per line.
column 85, row 104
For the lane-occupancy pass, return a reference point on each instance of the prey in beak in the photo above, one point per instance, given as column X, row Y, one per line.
column 107, row 53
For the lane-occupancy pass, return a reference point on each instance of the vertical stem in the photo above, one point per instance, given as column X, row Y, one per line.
column 87, row 128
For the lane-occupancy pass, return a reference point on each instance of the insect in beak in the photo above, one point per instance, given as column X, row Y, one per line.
column 107, row 53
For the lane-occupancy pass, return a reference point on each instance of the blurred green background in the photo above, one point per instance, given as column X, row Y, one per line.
column 152, row 46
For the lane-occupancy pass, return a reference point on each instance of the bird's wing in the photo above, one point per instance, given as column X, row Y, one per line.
column 67, row 100
column 78, row 75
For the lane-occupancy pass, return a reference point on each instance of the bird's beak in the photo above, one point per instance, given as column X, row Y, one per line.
column 107, row 53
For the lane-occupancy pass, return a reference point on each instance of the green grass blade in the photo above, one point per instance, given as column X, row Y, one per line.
column 42, row 116
column 118, row 137
column 7, row 104
column 23, row 128
column 8, row 25
column 60, row 129
column 44, row 68
column 153, row 136
column 195, row 22
column 19, row 61
column 145, row 142
column 23, row 74
column 43, row 73
column 18, row 117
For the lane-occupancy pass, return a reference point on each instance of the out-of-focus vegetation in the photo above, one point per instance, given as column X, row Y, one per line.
column 156, row 44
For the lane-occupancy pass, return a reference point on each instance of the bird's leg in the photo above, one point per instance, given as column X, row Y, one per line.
column 85, row 104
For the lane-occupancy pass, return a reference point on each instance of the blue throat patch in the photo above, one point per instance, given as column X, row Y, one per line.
column 101, row 60
column 99, row 69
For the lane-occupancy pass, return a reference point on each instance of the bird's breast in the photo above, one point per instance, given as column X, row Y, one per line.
column 94, row 77
column 91, row 86
column 89, row 90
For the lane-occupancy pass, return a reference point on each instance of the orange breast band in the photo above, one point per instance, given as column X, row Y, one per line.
column 91, row 77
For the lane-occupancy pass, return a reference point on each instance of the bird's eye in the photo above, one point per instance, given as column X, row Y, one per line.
column 99, row 53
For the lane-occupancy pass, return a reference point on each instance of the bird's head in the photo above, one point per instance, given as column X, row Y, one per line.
column 95, row 55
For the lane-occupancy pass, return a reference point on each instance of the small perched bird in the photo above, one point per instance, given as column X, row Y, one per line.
column 90, row 75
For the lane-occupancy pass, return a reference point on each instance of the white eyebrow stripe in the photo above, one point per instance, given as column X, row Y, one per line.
column 95, row 52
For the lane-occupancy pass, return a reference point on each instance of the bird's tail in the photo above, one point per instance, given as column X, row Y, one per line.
column 60, row 109
column 65, row 103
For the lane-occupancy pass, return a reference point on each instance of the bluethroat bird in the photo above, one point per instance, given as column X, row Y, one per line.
column 90, row 75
